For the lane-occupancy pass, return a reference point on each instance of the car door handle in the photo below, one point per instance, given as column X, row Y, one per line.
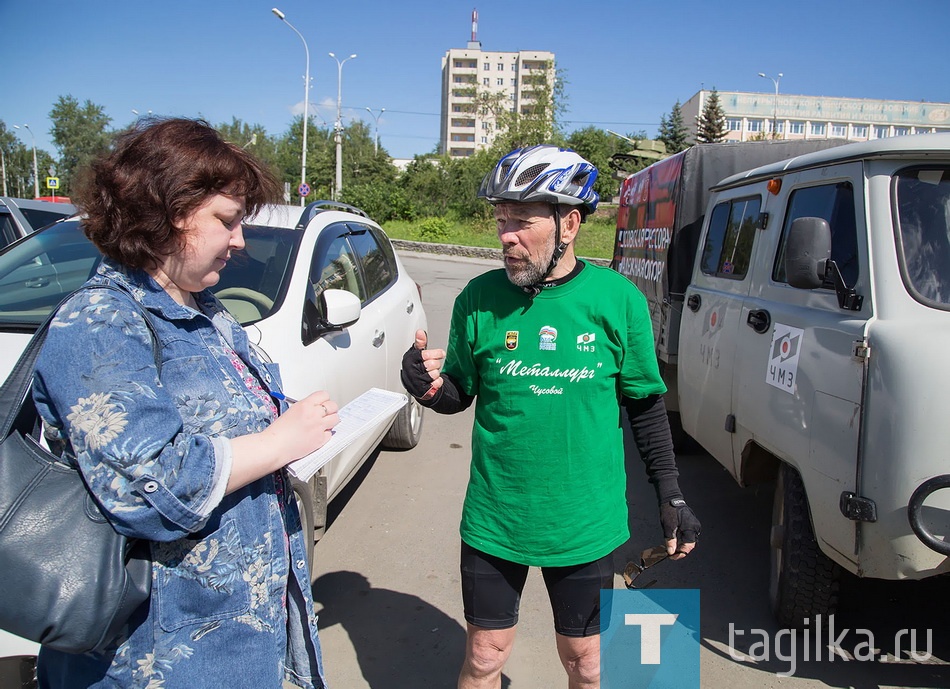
column 379, row 339
column 36, row 283
column 410, row 307
column 759, row 320
column 694, row 302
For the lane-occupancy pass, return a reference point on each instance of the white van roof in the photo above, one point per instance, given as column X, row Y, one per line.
column 937, row 145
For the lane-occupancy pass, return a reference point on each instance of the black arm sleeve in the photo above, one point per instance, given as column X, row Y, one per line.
column 651, row 433
column 450, row 399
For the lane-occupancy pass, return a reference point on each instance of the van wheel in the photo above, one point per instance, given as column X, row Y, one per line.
column 407, row 427
column 803, row 581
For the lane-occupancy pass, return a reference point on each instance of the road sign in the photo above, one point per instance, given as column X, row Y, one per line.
column 52, row 182
column 303, row 189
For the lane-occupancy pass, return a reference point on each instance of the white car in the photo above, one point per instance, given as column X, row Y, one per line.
column 319, row 290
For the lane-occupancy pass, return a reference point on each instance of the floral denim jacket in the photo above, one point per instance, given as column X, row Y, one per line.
column 231, row 600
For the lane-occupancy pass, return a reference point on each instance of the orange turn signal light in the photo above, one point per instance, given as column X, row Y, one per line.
column 774, row 186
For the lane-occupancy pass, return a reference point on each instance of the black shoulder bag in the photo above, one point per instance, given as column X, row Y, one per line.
column 70, row 581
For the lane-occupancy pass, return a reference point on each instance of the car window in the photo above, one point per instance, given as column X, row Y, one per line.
column 8, row 230
column 337, row 269
column 834, row 203
column 377, row 260
column 41, row 218
column 728, row 247
column 37, row 273
column 255, row 281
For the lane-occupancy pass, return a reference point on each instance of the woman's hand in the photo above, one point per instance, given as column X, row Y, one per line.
column 306, row 426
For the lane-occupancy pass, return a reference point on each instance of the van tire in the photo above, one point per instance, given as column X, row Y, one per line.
column 406, row 430
column 803, row 581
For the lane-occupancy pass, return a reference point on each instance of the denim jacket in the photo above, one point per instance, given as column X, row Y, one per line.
column 231, row 600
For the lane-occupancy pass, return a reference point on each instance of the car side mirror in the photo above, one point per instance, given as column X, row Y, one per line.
column 807, row 251
column 342, row 308
column 336, row 310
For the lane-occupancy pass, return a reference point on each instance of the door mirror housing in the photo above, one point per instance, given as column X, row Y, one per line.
column 341, row 307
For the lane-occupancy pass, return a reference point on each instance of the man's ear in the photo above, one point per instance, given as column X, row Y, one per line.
column 570, row 225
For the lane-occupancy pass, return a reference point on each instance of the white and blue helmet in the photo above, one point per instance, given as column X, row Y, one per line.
column 542, row 173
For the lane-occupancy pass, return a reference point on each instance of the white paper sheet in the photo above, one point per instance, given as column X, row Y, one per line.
column 370, row 410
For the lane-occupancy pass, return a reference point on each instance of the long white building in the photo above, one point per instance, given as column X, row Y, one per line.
column 757, row 115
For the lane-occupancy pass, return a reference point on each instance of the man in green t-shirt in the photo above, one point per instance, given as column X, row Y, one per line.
column 554, row 352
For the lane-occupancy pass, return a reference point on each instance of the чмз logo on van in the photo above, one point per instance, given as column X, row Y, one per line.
column 784, row 352
column 649, row 638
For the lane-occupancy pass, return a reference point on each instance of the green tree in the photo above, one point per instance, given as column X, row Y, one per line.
column 711, row 123
column 80, row 133
column 673, row 132
column 599, row 147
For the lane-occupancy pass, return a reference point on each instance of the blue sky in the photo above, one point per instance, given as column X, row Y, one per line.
column 626, row 62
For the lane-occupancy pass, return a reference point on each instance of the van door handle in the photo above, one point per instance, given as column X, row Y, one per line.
column 694, row 302
column 759, row 320
column 378, row 340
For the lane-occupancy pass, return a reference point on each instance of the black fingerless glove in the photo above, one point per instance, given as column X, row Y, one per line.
column 415, row 378
column 679, row 522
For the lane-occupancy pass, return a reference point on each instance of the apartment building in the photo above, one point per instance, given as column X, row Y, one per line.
column 471, row 70
column 756, row 115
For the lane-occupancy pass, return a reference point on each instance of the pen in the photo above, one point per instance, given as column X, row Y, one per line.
column 281, row 396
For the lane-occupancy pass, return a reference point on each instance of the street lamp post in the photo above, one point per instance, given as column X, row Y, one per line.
column 339, row 124
column 774, row 101
column 36, row 175
column 376, row 130
column 306, row 99
column 3, row 167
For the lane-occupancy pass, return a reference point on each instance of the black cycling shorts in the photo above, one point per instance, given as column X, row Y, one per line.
column 491, row 592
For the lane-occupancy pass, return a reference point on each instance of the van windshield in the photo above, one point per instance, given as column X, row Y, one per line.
column 922, row 200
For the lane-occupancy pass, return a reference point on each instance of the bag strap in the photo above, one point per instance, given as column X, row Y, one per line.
column 16, row 389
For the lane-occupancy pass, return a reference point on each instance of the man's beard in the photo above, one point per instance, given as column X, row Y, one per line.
column 532, row 272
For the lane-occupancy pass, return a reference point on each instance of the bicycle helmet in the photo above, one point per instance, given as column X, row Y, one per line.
column 542, row 173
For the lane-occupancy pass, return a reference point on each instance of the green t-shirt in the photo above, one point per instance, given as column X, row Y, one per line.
column 547, row 484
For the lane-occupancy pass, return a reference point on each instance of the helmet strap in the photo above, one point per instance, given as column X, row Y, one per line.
column 559, row 246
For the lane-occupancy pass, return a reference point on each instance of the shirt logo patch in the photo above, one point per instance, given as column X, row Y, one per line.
column 511, row 340
column 548, row 335
column 585, row 342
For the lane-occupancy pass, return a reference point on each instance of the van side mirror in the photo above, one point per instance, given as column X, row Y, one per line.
column 808, row 261
column 807, row 251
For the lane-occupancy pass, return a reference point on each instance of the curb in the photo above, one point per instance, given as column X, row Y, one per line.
column 467, row 251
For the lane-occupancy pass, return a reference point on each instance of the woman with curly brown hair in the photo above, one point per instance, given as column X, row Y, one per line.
column 190, row 459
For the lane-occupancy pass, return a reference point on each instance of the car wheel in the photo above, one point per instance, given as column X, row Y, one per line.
column 407, row 427
column 803, row 581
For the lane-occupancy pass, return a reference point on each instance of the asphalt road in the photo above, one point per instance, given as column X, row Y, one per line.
column 387, row 584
